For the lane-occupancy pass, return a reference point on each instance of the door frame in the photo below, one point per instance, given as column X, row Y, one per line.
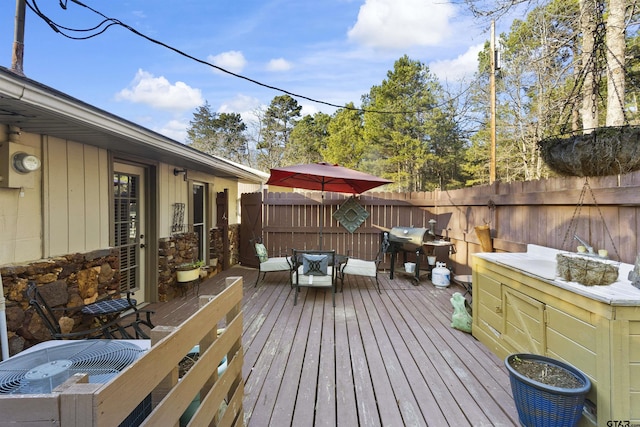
column 151, row 218
column 203, row 249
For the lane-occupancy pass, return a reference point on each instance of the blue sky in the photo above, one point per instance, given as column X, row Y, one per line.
column 330, row 50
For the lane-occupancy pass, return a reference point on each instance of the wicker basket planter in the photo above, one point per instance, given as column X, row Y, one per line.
column 541, row 404
column 587, row 271
column 604, row 151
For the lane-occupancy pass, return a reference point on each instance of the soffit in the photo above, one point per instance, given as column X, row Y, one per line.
column 38, row 109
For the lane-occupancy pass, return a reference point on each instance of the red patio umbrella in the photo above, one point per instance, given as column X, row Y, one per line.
column 325, row 177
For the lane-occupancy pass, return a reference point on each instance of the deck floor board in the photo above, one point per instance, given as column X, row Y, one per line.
column 375, row 360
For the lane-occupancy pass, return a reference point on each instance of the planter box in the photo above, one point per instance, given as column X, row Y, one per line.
column 188, row 275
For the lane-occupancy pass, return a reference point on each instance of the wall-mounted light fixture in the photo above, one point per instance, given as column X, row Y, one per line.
column 183, row 171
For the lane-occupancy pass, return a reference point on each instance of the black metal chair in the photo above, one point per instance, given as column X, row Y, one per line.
column 314, row 269
column 269, row 264
column 122, row 320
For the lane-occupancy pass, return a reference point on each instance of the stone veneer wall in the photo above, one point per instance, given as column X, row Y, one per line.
column 67, row 281
column 77, row 279
column 173, row 251
column 234, row 244
column 215, row 243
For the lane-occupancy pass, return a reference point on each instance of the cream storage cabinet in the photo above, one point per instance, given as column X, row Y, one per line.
column 519, row 306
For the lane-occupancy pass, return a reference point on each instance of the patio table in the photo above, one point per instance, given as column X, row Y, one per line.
column 339, row 259
column 109, row 308
column 109, row 315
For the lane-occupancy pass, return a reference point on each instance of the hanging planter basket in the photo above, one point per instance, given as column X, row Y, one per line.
column 604, row 151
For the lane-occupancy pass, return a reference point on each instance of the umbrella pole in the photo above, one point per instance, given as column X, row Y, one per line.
column 321, row 213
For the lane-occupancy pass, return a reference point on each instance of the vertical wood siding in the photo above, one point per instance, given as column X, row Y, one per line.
column 76, row 198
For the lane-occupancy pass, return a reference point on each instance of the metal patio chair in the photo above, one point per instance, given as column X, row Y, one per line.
column 360, row 267
column 122, row 320
column 269, row 264
column 314, row 269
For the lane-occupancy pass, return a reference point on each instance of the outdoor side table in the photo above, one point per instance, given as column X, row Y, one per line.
column 108, row 310
column 109, row 307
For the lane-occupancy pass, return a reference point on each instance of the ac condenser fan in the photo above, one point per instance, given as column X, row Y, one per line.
column 40, row 371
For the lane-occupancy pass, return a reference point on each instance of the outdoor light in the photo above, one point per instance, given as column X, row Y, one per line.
column 25, row 163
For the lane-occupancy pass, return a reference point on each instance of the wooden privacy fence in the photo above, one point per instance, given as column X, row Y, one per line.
column 78, row 403
column 542, row 212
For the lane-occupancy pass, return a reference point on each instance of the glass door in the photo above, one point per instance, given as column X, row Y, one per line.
column 199, row 219
column 129, row 226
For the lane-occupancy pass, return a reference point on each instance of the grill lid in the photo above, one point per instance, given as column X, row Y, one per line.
column 411, row 238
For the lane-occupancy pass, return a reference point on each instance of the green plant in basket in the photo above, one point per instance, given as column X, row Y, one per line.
column 186, row 266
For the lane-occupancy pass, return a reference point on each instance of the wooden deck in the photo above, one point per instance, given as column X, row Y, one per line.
column 389, row 359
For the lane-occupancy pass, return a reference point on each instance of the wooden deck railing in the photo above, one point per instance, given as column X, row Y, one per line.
column 78, row 403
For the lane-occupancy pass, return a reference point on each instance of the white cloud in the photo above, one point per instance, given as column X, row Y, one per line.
column 175, row 129
column 158, row 92
column 244, row 105
column 279, row 64
column 457, row 68
column 232, row 60
column 308, row 109
column 399, row 24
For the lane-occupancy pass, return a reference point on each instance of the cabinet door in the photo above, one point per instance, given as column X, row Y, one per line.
column 524, row 327
column 489, row 295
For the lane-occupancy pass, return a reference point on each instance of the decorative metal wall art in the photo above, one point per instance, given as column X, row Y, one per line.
column 351, row 215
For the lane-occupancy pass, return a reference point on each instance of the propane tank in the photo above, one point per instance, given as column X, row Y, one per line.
column 440, row 275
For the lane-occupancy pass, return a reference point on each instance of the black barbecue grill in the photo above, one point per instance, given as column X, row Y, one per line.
column 406, row 239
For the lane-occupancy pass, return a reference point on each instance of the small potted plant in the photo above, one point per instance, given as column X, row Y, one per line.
column 546, row 391
column 189, row 271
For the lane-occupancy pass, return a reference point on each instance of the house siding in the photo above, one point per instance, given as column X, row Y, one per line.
column 68, row 210
column 76, row 197
column 20, row 213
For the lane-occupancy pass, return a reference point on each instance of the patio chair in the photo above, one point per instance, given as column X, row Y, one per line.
column 314, row 269
column 360, row 267
column 269, row 264
column 123, row 321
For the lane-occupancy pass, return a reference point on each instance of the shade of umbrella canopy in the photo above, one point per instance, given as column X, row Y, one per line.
column 325, row 177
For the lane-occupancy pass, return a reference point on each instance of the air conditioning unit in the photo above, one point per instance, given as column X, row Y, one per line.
column 42, row 368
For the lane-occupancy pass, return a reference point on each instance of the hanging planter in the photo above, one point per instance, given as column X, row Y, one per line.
column 604, row 151
column 546, row 391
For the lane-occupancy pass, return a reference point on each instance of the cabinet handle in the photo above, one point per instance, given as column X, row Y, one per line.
column 498, row 309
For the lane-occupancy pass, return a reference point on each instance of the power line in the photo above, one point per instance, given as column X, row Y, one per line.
column 109, row 22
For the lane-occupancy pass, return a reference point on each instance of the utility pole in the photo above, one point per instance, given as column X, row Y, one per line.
column 18, row 39
column 492, row 87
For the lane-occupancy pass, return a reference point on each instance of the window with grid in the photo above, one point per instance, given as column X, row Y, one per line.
column 127, row 225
